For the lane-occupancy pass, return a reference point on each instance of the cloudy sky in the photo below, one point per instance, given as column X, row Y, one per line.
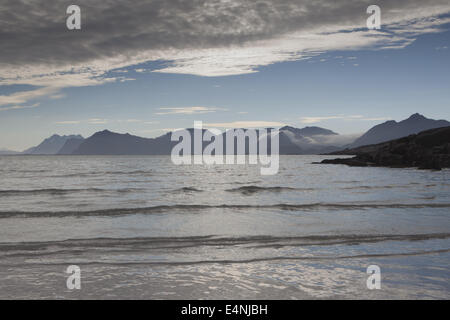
column 145, row 67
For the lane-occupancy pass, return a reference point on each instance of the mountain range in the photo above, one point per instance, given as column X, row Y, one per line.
column 292, row 141
column 391, row 130
column 308, row 140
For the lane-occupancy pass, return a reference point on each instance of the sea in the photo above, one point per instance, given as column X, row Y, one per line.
column 140, row 227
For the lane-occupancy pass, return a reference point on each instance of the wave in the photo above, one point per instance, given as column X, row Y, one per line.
column 183, row 208
column 25, row 171
column 247, row 190
column 242, row 261
column 101, row 173
column 251, row 242
column 267, row 259
column 188, row 190
column 375, row 187
column 347, row 181
column 55, row 191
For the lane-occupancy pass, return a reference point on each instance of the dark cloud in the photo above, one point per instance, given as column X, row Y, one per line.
column 34, row 31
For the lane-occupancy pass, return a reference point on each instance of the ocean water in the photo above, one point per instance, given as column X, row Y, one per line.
column 143, row 228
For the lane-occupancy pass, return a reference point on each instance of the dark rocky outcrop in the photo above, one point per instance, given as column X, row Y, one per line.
column 427, row 150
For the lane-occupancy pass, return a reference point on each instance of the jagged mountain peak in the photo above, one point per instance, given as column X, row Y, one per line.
column 52, row 145
column 416, row 116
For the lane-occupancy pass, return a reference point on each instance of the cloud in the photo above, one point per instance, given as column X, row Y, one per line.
column 67, row 122
column 334, row 140
column 24, row 96
column 103, row 121
column 318, row 119
column 322, row 140
column 188, row 110
column 97, row 121
column 152, row 131
column 310, row 120
column 46, row 85
column 16, row 107
column 244, row 124
column 129, row 121
column 199, row 37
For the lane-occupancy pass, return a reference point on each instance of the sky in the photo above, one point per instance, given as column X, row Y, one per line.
column 149, row 67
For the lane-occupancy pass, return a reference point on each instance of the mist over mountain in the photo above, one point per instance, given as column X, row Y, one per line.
column 391, row 130
column 51, row 145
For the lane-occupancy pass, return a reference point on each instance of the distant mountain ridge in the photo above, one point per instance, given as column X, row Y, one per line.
column 51, row 145
column 8, row 152
column 293, row 141
column 110, row 143
column 391, row 130
column 308, row 131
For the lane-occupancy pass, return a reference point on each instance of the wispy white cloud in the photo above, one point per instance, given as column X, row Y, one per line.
column 318, row 119
column 17, row 107
column 25, row 96
column 126, row 79
column 97, row 121
column 244, row 124
column 188, row 110
column 104, row 121
column 310, row 120
column 48, row 85
column 129, row 121
column 67, row 122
